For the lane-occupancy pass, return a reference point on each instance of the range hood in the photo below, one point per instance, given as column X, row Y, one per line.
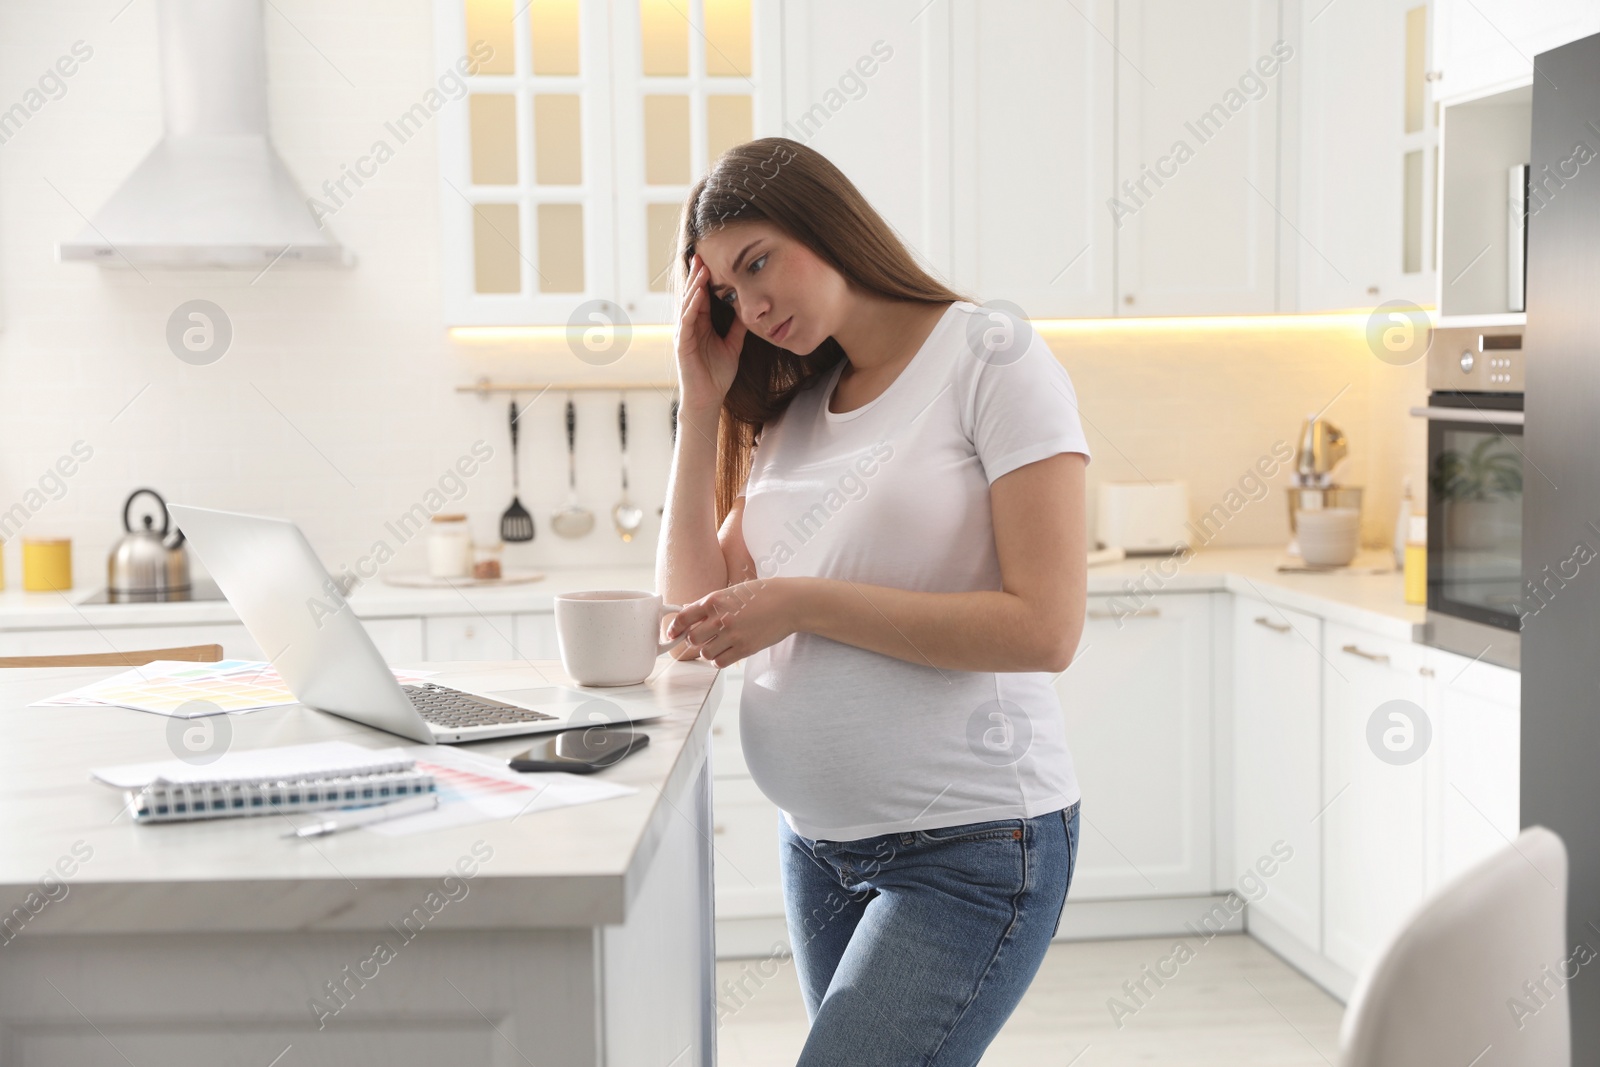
column 213, row 192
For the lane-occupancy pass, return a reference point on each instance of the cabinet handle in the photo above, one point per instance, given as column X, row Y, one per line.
column 1128, row 299
column 716, row 731
column 1275, row 627
column 718, row 828
column 1432, row 75
column 1376, row 657
column 1142, row 613
column 1426, row 672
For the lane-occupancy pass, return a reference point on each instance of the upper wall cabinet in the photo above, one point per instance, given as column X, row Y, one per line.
column 868, row 86
column 693, row 78
column 1198, row 88
column 563, row 174
column 1484, row 46
column 1369, row 155
column 1033, row 114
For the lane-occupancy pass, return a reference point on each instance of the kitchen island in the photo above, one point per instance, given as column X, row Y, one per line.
column 578, row 935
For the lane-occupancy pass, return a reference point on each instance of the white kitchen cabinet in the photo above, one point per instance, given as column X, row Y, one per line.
column 536, row 636
column 744, row 822
column 235, row 640
column 1032, row 122
column 1486, row 45
column 1374, row 826
column 1368, row 155
column 525, row 160
column 689, row 81
column 1477, row 773
column 470, row 637
column 1197, row 156
column 1277, row 766
column 727, row 751
column 1138, row 708
column 888, row 130
column 583, row 127
column 400, row 641
column 744, row 829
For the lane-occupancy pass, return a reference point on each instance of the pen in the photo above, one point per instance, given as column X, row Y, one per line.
column 344, row 820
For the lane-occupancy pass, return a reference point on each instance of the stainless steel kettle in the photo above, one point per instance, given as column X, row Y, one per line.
column 148, row 562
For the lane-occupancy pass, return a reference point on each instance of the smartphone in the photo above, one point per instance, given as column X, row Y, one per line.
column 581, row 751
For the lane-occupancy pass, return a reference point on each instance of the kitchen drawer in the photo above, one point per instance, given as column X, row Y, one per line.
column 398, row 640
column 744, row 829
column 1350, row 648
column 470, row 637
column 235, row 640
column 536, row 636
column 727, row 752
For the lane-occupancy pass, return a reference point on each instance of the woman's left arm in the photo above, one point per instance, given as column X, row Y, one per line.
column 1032, row 623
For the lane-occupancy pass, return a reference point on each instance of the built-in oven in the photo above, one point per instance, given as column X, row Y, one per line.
column 1476, row 469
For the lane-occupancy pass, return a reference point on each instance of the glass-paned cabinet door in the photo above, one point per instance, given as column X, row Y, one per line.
column 1419, row 248
column 525, row 159
column 692, row 79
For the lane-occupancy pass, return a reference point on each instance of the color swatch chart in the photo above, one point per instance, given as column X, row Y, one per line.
column 191, row 690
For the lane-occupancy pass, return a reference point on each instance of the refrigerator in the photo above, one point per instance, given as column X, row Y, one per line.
column 1560, row 667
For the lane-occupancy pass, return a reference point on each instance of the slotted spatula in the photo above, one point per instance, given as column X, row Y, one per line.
column 516, row 524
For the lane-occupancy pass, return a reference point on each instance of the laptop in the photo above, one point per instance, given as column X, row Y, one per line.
column 295, row 611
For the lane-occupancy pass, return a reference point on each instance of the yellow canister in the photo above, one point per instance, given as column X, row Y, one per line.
column 1416, row 567
column 46, row 564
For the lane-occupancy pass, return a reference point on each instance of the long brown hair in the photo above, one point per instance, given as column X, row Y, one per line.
column 796, row 189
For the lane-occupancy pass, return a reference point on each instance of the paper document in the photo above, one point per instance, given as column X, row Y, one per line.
column 474, row 788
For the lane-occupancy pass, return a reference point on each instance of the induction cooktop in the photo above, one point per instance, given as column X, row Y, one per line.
column 202, row 589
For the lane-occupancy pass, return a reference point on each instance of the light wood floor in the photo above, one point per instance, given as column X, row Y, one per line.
column 1233, row 1005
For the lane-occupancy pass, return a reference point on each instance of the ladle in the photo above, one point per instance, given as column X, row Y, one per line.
column 572, row 520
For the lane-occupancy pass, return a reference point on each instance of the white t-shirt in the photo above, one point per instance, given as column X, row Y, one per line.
column 851, row 743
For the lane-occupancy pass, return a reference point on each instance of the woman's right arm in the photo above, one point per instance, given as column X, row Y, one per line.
column 690, row 560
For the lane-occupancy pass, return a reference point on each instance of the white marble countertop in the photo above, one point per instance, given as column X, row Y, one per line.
column 572, row 866
column 1374, row 602
column 374, row 599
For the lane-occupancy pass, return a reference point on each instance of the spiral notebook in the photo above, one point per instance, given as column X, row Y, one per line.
column 293, row 778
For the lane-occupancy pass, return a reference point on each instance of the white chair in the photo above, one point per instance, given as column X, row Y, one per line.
column 1475, row 975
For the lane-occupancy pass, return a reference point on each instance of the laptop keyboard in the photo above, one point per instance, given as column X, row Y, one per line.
column 453, row 709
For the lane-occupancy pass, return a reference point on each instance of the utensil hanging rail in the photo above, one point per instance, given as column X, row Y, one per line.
column 484, row 387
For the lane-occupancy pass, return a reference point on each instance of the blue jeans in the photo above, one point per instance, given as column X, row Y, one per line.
column 914, row 948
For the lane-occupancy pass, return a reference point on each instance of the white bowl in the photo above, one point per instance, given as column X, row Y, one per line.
column 1329, row 537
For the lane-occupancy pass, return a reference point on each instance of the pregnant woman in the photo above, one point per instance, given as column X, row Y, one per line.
column 877, row 503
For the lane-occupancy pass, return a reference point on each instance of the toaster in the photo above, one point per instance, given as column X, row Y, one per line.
column 1143, row 516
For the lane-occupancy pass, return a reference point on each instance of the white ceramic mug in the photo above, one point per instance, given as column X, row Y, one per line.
column 611, row 636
